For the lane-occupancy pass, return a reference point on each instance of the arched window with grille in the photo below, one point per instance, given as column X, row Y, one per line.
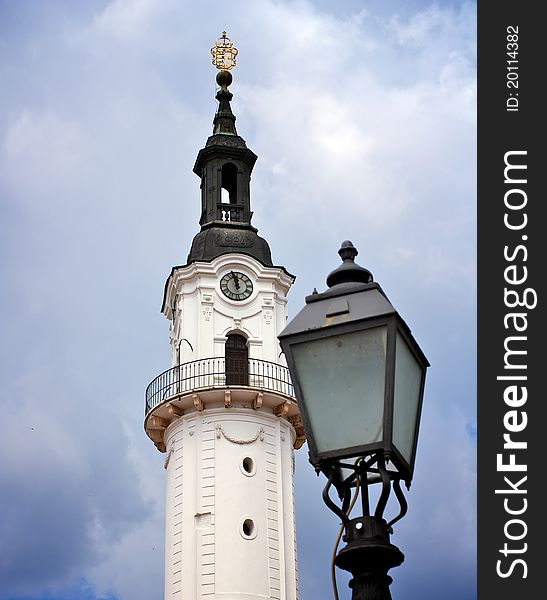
column 237, row 360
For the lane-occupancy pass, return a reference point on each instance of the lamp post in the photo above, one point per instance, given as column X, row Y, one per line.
column 359, row 378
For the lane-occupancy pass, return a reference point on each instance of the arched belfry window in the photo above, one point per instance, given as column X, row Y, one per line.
column 229, row 183
column 237, row 360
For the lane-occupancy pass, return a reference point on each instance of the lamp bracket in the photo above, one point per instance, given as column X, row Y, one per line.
column 365, row 471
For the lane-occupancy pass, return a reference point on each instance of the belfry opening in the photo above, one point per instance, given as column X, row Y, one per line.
column 228, row 183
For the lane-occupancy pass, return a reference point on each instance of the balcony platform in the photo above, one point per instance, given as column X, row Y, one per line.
column 194, row 386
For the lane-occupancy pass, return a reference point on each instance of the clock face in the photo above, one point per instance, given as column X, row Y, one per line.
column 236, row 286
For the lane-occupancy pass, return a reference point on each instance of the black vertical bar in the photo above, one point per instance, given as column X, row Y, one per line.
column 511, row 256
column 362, row 481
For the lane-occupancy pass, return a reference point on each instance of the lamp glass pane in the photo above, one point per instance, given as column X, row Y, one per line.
column 342, row 379
column 408, row 379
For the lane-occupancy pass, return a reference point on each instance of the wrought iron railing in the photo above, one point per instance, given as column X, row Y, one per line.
column 213, row 372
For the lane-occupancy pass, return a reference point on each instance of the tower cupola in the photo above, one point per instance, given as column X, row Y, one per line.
column 224, row 166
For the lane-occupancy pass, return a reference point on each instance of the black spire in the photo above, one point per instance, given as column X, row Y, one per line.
column 224, row 166
column 224, row 121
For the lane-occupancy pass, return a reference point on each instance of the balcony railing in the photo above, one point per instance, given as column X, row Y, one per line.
column 229, row 212
column 213, row 372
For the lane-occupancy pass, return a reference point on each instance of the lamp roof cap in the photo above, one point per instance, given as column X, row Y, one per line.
column 348, row 271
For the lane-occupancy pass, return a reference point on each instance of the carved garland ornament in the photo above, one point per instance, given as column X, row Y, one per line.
column 259, row 434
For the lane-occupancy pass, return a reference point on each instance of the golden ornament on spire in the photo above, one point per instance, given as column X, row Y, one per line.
column 224, row 53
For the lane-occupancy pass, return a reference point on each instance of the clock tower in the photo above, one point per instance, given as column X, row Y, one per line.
column 225, row 414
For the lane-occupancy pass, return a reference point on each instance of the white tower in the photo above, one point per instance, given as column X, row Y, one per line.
column 225, row 413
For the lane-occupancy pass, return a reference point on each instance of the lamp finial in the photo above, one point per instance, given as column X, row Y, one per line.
column 349, row 271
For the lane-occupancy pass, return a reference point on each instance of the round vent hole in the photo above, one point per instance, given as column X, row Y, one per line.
column 248, row 527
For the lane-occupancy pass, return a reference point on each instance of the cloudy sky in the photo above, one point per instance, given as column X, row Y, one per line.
column 363, row 118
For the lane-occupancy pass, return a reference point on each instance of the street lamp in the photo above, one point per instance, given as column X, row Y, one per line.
column 359, row 379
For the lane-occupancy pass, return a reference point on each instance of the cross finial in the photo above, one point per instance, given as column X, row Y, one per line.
column 224, row 53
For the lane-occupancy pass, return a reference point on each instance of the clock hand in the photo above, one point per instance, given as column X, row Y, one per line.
column 236, row 280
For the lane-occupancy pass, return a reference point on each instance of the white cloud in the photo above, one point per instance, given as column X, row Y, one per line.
column 127, row 19
column 42, row 149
